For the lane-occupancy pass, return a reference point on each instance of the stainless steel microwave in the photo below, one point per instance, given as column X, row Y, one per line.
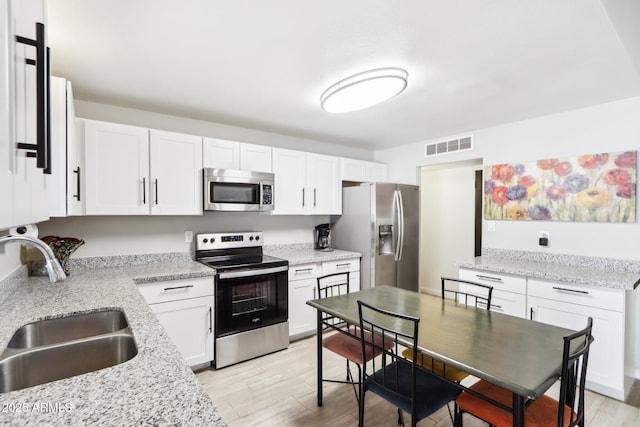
column 236, row 190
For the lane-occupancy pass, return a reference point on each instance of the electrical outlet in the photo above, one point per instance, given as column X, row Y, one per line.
column 543, row 238
column 188, row 236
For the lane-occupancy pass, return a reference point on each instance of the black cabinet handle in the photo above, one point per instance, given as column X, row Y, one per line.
column 156, row 190
column 77, row 172
column 144, row 191
column 47, row 167
column 42, row 151
column 178, row 287
column 303, row 197
column 210, row 319
column 314, row 197
column 573, row 291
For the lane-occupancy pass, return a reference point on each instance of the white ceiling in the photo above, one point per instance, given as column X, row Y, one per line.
column 263, row 64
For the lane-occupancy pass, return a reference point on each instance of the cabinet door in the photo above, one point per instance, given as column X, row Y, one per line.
column 256, row 158
column 221, row 154
column 117, row 169
column 7, row 137
column 302, row 317
column 189, row 323
column 375, row 172
column 76, row 194
column 605, row 373
column 325, row 187
column 291, row 195
column 30, row 198
column 57, row 181
column 176, row 173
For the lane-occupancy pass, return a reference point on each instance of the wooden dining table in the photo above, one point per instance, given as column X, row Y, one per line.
column 519, row 355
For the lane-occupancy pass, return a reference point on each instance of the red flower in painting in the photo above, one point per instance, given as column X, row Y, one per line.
column 616, row 176
column 503, row 173
column 626, row 160
column 527, row 181
column 626, row 191
column 547, row 164
column 591, row 161
column 499, row 194
column 562, row 169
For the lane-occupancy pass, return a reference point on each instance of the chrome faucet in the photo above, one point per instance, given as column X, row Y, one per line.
column 56, row 273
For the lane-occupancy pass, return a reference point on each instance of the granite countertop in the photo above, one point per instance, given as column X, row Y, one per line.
column 603, row 272
column 156, row 387
column 304, row 253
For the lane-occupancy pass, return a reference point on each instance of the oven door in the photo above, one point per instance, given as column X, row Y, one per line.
column 250, row 299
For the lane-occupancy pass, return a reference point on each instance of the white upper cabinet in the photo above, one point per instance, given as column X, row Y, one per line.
column 133, row 171
column 362, row 170
column 7, row 142
column 65, row 169
column 117, row 169
column 306, row 183
column 22, row 183
column 223, row 154
column 325, row 187
column 256, row 158
column 176, row 173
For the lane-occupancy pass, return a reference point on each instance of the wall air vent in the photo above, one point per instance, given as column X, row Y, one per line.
column 464, row 143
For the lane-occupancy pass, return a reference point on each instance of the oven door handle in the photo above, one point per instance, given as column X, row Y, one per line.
column 252, row 272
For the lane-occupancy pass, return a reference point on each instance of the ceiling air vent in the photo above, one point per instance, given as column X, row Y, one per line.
column 437, row 148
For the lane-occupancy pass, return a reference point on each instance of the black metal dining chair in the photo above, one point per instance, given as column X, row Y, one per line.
column 475, row 294
column 393, row 377
column 345, row 341
column 545, row 411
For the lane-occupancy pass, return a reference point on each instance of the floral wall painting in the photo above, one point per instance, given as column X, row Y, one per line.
column 593, row 187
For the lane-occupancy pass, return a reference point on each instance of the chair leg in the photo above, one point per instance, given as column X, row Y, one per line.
column 458, row 416
column 361, row 406
column 400, row 417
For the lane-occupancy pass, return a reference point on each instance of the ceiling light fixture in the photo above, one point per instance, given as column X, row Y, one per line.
column 364, row 90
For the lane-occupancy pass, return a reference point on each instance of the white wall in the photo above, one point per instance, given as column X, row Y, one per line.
column 608, row 127
column 129, row 235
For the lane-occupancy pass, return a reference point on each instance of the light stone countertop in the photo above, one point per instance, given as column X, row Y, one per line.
column 303, row 253
column 156, row 387
column 592, row 271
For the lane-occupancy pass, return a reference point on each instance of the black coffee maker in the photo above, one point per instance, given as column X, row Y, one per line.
column 322, row 241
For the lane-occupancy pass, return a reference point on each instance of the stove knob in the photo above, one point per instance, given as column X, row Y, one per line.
column 205, row 240
column 213, row 239
column 257, row 238
column 250, row 238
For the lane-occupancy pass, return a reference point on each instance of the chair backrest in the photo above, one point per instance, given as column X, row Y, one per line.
column 332, row 285
column 466, row 292
column 574, row 372
column 402, row 331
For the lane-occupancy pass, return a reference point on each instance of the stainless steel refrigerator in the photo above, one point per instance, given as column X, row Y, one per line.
column 381, row 221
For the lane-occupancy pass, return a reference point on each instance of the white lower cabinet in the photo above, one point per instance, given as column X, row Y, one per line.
column 303, row 280
column 569, row 306
column 185, row 309
column 509, row 292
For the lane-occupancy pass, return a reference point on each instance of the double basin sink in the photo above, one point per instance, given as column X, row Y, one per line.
column 53, row 349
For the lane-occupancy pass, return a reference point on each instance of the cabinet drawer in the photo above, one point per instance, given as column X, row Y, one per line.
column 509, row 303
column 591, row 296
column 502, row 282
column 304, row 271
column 340, row 266
column 173, row 290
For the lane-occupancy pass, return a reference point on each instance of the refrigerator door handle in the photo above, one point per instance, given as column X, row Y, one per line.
column 401, row 224
column 397, row 225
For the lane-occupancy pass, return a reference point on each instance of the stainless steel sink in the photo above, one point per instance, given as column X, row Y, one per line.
column 53, row 349
column 51, row 331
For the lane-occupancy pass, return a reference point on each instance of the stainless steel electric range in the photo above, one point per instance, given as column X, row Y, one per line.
column 251, row 296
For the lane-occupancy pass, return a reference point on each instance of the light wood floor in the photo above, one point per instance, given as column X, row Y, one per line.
column 280, row 390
